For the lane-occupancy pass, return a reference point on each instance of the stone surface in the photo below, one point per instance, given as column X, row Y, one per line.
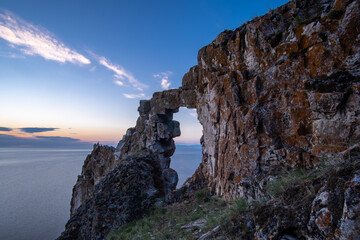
column 280, row 92
column 323, row 208
column 170, row 178
column 209, row 234
column 197, row 224
column 125, row 194
column 96, row 166
column 349, row 224
column 336, row 207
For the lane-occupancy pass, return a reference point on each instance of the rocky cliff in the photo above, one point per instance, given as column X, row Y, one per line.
column 124, row 194
column 96, row 166
column 280, row 92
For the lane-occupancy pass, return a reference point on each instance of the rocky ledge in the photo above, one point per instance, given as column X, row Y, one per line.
column 320, row 203
column 279, row 93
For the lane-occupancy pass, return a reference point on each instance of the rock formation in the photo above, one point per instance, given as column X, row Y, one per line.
column 96, row 166
column 280, row 92
column 126, row 193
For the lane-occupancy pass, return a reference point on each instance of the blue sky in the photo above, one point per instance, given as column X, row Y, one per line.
column 81, row 67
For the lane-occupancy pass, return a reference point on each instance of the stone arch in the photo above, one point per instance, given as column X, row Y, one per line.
column 188, row 152
column 155, row 129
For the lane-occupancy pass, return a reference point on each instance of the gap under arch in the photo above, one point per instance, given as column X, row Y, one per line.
column 188, row 153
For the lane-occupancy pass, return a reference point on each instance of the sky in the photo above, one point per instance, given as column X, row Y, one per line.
column 74, row 71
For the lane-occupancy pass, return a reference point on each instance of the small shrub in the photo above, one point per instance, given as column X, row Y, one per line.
column 289, row 179
column 183, row 221
column 236, row 209
column 335, row 14
column 320, row 8
column 255, row 18
column 257, row 204
column 328, row 163
column 202, row 196
column 211, row 222
column 305, row 19
column 297, row 21
column 159, row 210
column 225, row 222
column 197, row 214
column 239, row 205
column 164, row 222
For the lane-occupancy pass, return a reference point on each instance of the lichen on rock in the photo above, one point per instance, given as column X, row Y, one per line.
column 125, row 194
column 279, row 93
column 96, row 166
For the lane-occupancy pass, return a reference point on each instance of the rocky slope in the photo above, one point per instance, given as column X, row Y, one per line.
column 126, row 193
column 280, row 92
column 304, row 205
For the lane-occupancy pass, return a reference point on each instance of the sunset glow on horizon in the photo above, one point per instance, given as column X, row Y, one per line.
column 75, row 71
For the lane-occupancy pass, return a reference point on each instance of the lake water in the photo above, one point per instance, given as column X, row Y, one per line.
column 36, row 187
column 185, row 161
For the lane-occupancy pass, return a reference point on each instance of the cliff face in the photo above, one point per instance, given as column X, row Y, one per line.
column 96, row 166
column 125, row 194
column 279, row 92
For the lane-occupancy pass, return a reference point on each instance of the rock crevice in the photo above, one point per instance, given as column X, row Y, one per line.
column 280, row 92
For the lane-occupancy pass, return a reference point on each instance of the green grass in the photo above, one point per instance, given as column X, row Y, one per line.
column 239, row 205
column 166, row 222
column 299, row 176
column 289, row 179
column 202, row 196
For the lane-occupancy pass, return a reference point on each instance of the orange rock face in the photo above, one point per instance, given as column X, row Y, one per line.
column 278, row 93
column 281, row 91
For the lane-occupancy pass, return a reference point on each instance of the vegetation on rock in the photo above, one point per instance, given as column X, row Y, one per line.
column 273, row 96
column 290, row 213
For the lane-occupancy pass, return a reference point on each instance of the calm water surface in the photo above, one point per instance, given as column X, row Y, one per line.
column 185, row 161
column 36, row 187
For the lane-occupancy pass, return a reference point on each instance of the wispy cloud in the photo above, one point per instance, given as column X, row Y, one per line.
column 12, row 55
column 57, row 138
column 118, row 82
column 164, row 76
column 192, row 112
column 33, row 41
column 37, row 129
column 121, row 74
column 42, row 141
column 92, row 69
column 5, row 129
column 141, row 95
